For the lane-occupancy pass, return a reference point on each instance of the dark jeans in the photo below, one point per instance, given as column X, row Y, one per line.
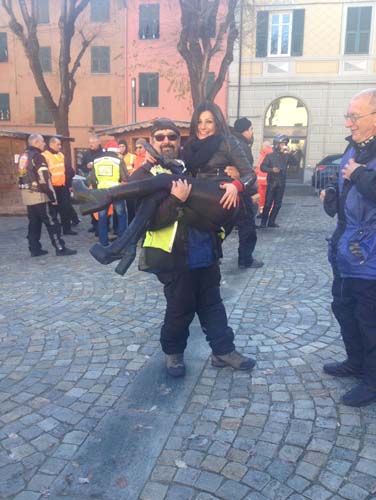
column 246, row 231
column 43, row 213
column 274, row 194
column 64, row 205
column 354, row 306
column 189, row 292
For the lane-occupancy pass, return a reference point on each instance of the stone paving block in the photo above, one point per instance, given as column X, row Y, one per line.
column 208, row 481
column 154, row 491
column 256, row 479
column 232, row 490
column 298, row 483
column 40, row 482
column 317, row 492
column 28, row 495
column 163, row 473
column 177, row 492
column 275, row 489
column 187, row 476
column 213, row 463
column 353, row 492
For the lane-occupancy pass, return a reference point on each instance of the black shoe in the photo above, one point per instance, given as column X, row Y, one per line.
column 70, row 232
column 39, row 253
column 256, row 264
column 273, row 224
column 65, row 251
column 342, row 369
column 261, row 226
column 360, row 395
column 75, row 222
column 175, row 365
column 91, row 229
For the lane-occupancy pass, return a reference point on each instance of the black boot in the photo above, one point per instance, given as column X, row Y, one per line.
column 125, row 246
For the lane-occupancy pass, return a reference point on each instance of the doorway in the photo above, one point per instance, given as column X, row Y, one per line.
column 289, row 116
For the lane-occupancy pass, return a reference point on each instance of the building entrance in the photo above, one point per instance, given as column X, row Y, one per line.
column 288, row 115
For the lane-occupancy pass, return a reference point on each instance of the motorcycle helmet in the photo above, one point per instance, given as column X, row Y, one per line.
column 279, row 139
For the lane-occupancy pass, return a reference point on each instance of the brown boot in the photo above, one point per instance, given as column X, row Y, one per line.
column 175, row 365
column 233, row 359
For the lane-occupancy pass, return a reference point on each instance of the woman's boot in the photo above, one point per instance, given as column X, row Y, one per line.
column 125, row 245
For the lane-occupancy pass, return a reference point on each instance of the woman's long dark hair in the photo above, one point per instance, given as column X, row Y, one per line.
column 219, row 119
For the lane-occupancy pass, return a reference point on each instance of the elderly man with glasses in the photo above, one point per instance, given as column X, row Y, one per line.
column 352, row 250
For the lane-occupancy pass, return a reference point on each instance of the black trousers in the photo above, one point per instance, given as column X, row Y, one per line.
column 274, row 194
column 43, row 213
column 189, row 292
column 354, row 306
column 64, row 206
column 246, row 231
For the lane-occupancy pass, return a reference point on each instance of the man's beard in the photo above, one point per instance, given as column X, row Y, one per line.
column 169, row 152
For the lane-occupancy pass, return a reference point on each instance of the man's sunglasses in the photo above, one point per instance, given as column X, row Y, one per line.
column 162, row 137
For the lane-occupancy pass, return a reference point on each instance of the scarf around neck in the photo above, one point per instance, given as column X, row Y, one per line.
column 364, row 151
column 198, row 152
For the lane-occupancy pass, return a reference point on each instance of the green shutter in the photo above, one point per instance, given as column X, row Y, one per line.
column 262, row 34
column 297, row 32
column 358, row 29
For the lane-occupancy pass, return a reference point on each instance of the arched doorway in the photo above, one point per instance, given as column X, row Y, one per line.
column 288, row 115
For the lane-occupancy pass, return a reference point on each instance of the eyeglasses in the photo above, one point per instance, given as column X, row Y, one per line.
column 162, row 137
column 355, row 118
column 139, row 147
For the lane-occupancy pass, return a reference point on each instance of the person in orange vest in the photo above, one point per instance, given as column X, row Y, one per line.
column 126, row 156
column 60, row 180
column 140, row 153
column 266, row 148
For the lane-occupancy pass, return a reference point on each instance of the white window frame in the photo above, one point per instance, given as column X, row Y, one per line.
column 279, row 13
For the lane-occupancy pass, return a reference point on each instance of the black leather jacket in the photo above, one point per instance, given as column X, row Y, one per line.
column 229, row 153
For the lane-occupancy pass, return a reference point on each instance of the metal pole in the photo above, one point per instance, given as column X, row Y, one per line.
column 240, row 57
column 133, row 85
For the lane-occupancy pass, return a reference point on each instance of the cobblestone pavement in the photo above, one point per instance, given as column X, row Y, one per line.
column 87, row 412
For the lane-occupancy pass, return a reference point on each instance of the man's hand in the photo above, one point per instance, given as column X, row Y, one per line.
column 230, row 198
column 276, row 170
column 232, row 172
column 255, row 198
column 181, row 189
column 350, row 167
column 322, row 195
column 149, row 158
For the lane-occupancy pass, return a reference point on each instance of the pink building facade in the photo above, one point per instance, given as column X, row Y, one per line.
column 156, row 75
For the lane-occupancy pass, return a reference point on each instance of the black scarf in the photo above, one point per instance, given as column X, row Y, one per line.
column 198, row 152
column 364, row 151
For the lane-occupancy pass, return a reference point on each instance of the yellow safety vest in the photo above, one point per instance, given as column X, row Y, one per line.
column 56, row 167
column 107, row 171
column 162, row 238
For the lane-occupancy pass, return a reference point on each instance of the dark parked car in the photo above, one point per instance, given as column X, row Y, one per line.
column 326, row 171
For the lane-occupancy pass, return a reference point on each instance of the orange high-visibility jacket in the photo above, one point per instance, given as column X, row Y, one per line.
column 56, row 166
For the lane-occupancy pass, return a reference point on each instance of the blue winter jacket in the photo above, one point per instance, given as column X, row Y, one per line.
column 352, row 249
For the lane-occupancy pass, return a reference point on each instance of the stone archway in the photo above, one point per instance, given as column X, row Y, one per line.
column 288, row 115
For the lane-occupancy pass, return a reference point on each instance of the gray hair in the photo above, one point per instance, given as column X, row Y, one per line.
column 53, row 140
column 33, row 138
column 371, row 93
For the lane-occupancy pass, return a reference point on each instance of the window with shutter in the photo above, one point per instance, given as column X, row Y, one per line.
column 99, row 11
column 3, row 47
column 297, row 32
column 42, row 11
column 148, row 86
column 148, row 21
column 102, row 113
column 100, row 59
column 45, row 59
column 4, row 107
column 262, row 34
column 358, row 30
column 42, row 114
column 280, row 33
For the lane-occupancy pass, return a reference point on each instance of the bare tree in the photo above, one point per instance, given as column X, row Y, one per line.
column 207, row 28
column 24, row 25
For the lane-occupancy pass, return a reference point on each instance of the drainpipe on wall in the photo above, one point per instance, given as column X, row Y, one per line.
column 133, row 85
column 240, row 58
